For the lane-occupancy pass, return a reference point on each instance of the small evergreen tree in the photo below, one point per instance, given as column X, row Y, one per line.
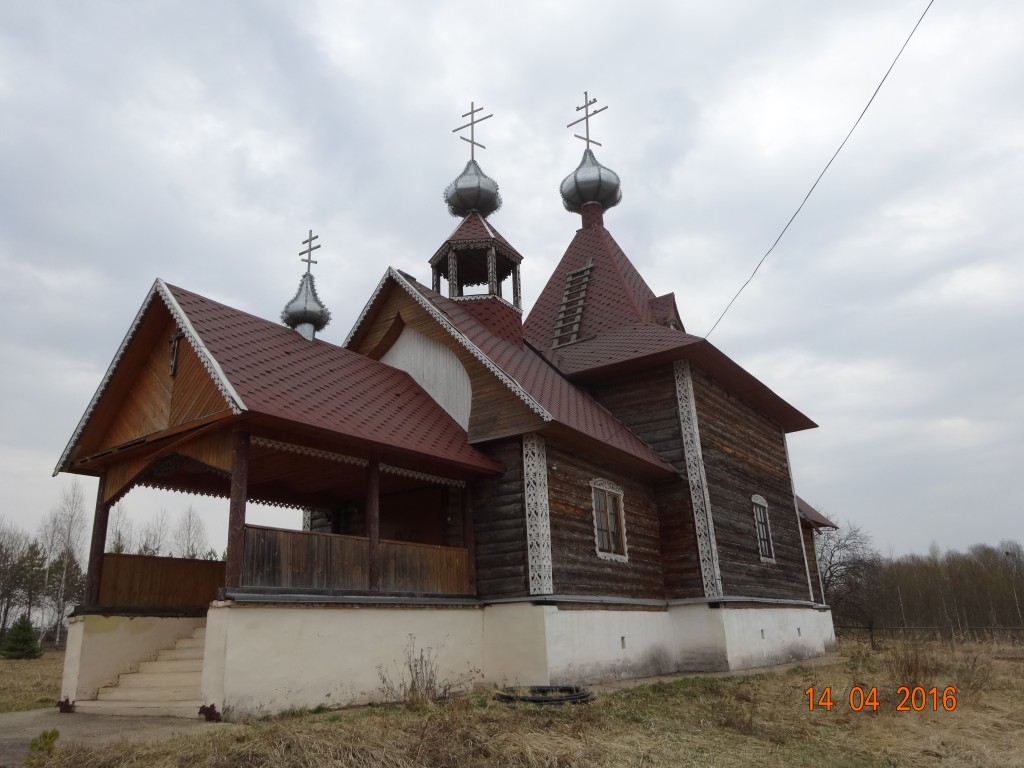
column 20, row 642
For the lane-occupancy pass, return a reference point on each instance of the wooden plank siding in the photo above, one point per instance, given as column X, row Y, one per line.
column 576, row 567
column 154, row 400
column 745, row 454
column 645, row 402
column 139, row 582
column 499, row 518
column 301, row 561
column 496, row 412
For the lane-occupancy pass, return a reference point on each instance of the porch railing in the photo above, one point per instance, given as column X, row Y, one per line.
column 303, row 560
column 139, row 582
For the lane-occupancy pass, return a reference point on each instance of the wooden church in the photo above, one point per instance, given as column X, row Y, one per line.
column 586, row 493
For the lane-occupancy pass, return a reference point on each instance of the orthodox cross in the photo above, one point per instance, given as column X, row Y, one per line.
column 587, row 103
column 308, row 253
column 473, row 143
column 175, row 338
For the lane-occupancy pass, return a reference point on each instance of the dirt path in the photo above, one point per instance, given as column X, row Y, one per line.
column 17, row 729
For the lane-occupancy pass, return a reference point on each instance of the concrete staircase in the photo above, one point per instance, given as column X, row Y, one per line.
column 168, row 687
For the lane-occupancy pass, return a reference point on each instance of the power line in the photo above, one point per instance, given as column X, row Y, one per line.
column 827, row 165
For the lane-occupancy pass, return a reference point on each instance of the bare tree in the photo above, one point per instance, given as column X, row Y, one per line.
column 849, row 566
column 13, row 543
column 62, row 536
column 153, row 537
column 120, row 531
column 190, row 535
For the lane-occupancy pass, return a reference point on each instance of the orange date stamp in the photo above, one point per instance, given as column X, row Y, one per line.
column 915, row 698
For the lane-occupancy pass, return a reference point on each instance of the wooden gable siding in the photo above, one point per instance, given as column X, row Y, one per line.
column 576, row 567
column 499, row 525
column 147, row 398
column 745, row 454
column 496, row 411
column 812, row 560
column 646, row 403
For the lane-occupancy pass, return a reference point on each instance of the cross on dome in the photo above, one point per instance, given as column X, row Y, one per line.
column 587, row 104
column 473, row 143
column 308, row 253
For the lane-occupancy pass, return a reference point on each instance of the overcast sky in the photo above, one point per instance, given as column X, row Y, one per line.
column 199, row 141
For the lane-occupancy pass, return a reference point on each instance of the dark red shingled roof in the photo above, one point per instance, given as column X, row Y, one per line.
column 624, row 326
column 813, row 516
column 616, row 293
column 276, row 372
column 475, row 229
column 558, row 399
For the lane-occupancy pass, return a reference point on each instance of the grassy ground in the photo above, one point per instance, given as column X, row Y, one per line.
column 697, row 721
column 30, row 683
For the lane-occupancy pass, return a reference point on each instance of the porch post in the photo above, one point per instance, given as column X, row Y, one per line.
column 98, row 544
column 373, row 521
column 468, row 535
column 236, row 512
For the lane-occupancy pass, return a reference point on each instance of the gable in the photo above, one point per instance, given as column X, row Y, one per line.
column 494, row 410
column 436, row 368
column 141, row 397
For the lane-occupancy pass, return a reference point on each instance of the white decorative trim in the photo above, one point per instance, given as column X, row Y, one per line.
column 800, row 528
column 316, row 453
column 455, row 333
column 538, row 519
column 307, row 519
column 756, row 501
column 473, row 349
column 707, row 548
column 213, row 368
column 402, row 472
column 205, row 357
column 492, row 296
column 607, row 485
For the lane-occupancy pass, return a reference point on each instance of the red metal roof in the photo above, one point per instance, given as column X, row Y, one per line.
column 276, row 372
column 813, row 516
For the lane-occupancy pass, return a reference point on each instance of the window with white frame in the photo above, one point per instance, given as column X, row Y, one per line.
column 763, row 528
column 609, row 521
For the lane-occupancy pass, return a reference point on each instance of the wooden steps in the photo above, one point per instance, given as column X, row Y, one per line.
column 171, row 686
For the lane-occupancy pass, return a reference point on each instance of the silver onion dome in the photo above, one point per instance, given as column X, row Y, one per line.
column 305, row 312
column 473, row 190
column 591, row 182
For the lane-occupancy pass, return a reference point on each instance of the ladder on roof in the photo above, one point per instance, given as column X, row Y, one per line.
column 570, row 313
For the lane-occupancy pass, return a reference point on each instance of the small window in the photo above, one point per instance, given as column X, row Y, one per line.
column 609, row 521
column 764, row 529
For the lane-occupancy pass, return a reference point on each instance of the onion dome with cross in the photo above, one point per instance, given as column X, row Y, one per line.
column 591, row 182
column 473, row 190
column 305, row 312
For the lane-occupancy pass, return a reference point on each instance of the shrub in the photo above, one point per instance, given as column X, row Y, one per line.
column 20, row 642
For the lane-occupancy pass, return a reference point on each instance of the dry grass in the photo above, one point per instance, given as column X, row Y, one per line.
column 701, row 721
column 30, row 683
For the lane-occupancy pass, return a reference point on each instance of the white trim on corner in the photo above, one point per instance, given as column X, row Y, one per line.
column 538, row 516
column 601, row 484
column 704, row 524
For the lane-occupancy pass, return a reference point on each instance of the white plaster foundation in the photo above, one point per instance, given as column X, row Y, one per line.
column 99, row 648
column 262, row 659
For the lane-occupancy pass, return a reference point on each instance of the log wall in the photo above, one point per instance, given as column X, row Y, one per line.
column 812, row 560
column 499, row 519
column 646, row 403
column 576, row 567
column 745, row 454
